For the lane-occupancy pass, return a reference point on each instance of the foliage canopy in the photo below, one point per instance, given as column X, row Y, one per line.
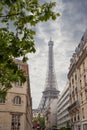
column 41, row 120
column 17, row 18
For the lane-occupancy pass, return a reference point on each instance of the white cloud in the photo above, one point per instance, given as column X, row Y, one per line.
column 66, row 33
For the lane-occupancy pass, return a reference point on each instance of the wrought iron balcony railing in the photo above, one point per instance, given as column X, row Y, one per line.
column 74, row 105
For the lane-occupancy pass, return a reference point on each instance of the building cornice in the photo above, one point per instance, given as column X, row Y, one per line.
column 82, row 57
column 78, row 62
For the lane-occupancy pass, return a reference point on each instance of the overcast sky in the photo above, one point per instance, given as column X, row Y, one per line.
column 66, row 33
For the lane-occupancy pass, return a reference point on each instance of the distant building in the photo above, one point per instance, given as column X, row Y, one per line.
column 16, row 109
column 78, row 86
column 51, row 114
column 53, row 110
column 63, row 117
column 36, row 113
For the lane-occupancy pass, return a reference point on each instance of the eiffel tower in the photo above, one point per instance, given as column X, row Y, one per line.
column 50, row 92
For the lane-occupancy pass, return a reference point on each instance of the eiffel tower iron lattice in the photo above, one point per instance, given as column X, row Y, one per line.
column 50, row 91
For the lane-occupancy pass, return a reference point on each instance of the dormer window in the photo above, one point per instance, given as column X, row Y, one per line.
column 20, row 67
column 18, row 84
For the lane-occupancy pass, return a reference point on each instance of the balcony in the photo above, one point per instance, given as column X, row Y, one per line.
column 73, row 106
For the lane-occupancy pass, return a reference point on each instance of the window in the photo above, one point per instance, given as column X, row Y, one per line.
column 15, row 124
column 84, row 78
column 80, row 83
column 86, row 95
column 2, row 100
column 80, row 71
column 75, row 76
column 83, row 66
column 78, row 117
column 82, row 97
column 84, row 126
column 17, row 100
column 83, row 113
column 74, row 118
column 70, row 84
column 73, row 93
column 20, row 67
column 18, row 84
column 72, row 81
column 76, row 90
column 79, row 127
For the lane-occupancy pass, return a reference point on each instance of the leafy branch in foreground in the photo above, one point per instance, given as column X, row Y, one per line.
column 17, row 18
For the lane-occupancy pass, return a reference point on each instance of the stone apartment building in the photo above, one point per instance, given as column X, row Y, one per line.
column 36, row 113
column 78, row 86
column 51, row 114
column 16, row 109
column 63, row 117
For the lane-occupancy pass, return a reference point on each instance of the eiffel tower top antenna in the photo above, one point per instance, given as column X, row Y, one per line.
column 50, row 38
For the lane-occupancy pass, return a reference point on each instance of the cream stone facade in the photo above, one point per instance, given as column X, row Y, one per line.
column 16, row 109
column 78, row 86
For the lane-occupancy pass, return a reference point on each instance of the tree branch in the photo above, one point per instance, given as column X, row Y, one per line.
column 9, row 15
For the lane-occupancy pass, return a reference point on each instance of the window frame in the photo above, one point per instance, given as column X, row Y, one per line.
column 15, row 122
column 17, row 100
column 2, row 100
